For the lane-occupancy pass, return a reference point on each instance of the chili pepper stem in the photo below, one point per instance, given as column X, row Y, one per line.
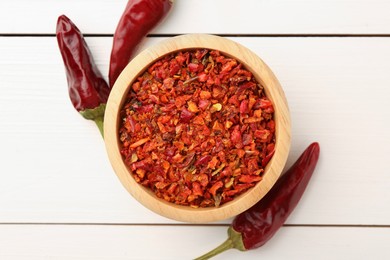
column 228, row 244
column 234, row 241
column 96, row 114
column 99, row 122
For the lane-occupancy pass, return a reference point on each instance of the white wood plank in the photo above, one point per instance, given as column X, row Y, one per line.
column 204, row 16
column 186, row 242
column 54, row 167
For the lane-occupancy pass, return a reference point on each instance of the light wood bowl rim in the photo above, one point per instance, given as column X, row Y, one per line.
column 262, row 73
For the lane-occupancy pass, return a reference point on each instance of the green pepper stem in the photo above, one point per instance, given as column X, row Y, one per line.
column 234, row 241
column 228, row 244
column 96, row 114
column 99, row 122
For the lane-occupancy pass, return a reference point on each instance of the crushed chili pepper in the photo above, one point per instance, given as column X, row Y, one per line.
column 197, row 128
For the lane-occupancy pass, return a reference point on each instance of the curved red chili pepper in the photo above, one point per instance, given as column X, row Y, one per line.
column 88, row 90
column 254, row 227
column 139, row 17
column 87, row 87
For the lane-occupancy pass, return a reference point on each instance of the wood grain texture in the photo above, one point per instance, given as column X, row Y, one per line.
column 54, row 166
column 261, row 72
column 205, row 16
column 27, row 242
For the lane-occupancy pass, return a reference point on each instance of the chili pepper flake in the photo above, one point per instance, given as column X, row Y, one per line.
column 197, row 129
column 139, row 142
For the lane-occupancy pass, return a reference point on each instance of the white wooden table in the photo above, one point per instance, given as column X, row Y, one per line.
column 60, row 199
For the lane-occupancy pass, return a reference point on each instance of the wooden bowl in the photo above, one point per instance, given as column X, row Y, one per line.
column 272, row 89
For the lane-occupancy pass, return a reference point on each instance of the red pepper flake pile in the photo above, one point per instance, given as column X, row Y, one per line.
column 197, row 128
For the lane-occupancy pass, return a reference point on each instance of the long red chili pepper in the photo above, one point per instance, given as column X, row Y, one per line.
column 139, row 17
column 254, row 227
column 88, row 90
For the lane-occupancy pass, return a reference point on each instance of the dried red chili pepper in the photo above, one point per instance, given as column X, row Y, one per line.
column 185, row 135
column 254, row 227
column 139, row 18
column 88, row 90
